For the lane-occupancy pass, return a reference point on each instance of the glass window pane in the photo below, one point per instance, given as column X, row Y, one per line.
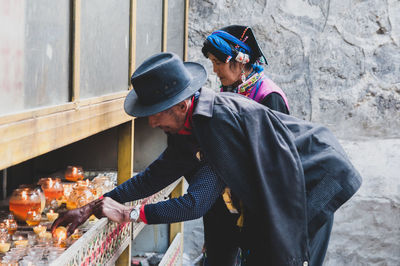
column 104, row 47
column 148, row 29
column 176, row 26
column 34, row 54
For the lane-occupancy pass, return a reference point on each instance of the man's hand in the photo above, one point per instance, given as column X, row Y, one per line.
column 74, row 218
column 104, row 207
column 113, row 210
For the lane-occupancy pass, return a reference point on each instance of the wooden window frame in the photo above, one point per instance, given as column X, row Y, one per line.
column 37, row 131
column 66, row 123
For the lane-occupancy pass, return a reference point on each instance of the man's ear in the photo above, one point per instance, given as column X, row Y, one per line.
column 183, row 106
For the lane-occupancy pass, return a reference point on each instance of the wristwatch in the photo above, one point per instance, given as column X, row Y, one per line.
column 135, row 213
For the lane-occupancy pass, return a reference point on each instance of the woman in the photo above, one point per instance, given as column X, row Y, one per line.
column 237, row 60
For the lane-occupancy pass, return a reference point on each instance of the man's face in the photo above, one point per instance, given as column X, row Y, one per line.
column 171, row 120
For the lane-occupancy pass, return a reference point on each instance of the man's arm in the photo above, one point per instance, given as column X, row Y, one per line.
column 162, row 172
column 204, row 188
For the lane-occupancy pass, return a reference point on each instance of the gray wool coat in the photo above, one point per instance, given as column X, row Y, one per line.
column 290, row 173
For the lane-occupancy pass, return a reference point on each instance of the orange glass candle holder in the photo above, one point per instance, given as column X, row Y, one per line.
column 74, row 173
column 60, row 235
column 39, row 191
column 22, row 200
column 67, row 191
column 11, row 224
column 33, row 217
column 81, row 195
column 52, row 188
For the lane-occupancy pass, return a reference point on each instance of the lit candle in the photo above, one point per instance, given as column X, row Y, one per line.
column 92, row 218
column 39, row 229
column 11, row 225
column 52, row 188
column 4, row 246
column 24, row 196
column 21, row 242
column 45, row 234
column 33, row 217
column 74, row 173
column 61, row 240
column 67, row 192
column 51, row 215
column 76, row 235
column 60, row 233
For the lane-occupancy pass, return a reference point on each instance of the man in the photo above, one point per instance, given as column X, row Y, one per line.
column 288, row 175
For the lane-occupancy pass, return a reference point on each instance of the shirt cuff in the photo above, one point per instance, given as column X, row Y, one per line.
column 142, row 215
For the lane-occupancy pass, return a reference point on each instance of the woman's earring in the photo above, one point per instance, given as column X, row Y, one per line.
column 243, row 76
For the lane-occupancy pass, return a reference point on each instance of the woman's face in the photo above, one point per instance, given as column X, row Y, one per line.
column 228, row 73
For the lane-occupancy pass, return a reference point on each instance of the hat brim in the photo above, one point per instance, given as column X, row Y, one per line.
column 133, row 107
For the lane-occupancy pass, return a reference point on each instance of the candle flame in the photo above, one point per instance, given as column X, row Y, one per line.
column 74, row 170
column 24, row 196
column 61, row 236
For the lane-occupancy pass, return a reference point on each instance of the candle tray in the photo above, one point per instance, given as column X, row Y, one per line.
column 104, row 242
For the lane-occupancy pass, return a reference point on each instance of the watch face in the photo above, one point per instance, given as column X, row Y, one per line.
column 134, row 215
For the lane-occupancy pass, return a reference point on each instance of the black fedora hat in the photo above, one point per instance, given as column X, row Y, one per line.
column 162, row 81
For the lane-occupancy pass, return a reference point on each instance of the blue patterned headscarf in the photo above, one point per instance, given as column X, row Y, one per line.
column 227, row 42
column 218, row 39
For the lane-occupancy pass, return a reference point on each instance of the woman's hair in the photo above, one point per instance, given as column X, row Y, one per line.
column 229, row 42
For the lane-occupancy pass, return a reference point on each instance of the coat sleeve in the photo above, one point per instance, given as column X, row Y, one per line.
column 204, row 188
column 162, row 172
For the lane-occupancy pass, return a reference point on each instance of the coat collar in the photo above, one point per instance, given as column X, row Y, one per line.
column 205, row 104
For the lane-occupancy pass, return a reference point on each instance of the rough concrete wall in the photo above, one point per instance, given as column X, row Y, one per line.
column 339, row 63
column 367, row 228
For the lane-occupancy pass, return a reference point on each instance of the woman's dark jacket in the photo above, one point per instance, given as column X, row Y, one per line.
column 289, row 172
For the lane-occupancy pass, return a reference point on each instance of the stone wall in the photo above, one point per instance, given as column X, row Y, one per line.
column 339, row 63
